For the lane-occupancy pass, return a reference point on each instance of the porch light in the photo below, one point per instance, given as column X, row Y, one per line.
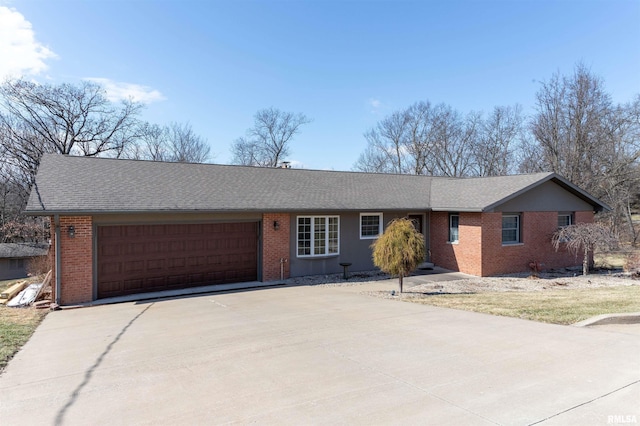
column 276, row 225
column 71, row 230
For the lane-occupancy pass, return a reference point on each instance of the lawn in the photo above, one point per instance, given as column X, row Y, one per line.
column 551, row 306
column 16, row 326
column 612, row 259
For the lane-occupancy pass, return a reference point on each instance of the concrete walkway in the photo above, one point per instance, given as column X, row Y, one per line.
column 315, row 355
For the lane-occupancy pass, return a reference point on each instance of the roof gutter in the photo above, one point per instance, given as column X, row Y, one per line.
column 457, row 209
column 229, row 211
column 56, row 221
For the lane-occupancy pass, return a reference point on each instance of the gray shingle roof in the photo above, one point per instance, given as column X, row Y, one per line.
column 79, row 185
column 22, row 250
column 477, row 194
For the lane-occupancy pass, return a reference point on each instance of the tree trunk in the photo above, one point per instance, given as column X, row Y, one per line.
column 632, row 229
column 400, row 281
column 585, row 262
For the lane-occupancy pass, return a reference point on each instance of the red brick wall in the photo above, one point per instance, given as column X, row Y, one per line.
column 466, row 254
column 275, row 245
column 537, row 229
column 480, row 250
column 584, row 217
column 76, row 275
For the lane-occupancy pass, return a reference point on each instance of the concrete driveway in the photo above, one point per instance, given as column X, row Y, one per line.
column 315, row 355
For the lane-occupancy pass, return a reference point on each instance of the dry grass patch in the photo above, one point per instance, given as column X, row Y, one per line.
column 8, row 283
column 16, row 326
column 612, row 259
column 551, row 306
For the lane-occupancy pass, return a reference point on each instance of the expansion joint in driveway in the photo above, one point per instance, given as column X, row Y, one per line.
column 586, row 402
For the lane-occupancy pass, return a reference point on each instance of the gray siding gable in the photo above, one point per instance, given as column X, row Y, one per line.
column 548, row 196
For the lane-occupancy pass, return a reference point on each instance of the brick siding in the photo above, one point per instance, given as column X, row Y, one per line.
column 480, row 251
column 275, row 245
column 466, row 254
column 76, row 275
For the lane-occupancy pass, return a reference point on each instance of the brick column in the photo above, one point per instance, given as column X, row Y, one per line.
column 76, row 253
column 275, row 245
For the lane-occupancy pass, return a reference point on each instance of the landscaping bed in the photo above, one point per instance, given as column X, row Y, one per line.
column 558, row 296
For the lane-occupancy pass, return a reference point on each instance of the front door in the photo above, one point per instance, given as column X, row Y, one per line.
column 417, row 222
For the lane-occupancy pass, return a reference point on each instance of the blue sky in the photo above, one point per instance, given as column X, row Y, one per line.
column 345, row 64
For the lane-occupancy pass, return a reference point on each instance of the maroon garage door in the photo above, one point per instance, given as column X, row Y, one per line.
column 142, row 258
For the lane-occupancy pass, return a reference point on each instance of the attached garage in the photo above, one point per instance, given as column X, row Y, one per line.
column 143, row 258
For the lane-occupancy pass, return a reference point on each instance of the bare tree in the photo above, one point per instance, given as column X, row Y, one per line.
column 185, row 145
column 152, row 144
column 172, row 143
column 422, row 139
column 385, row 146
column 373, row 160
column 453, row 141
column 64, row 119
column 570, row 124
column 499, row 137
column 268, row 142
column 419, row 144
column 580, row 134
column 585, row 238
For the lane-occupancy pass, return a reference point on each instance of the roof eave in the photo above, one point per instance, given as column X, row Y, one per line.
column 458, row 209
column 217, row 211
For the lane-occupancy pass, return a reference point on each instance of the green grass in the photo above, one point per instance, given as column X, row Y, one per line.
column 556, row 306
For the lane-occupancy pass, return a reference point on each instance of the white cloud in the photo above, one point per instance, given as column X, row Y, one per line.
column 117, row 91
column 20, row 53
column 375, row 105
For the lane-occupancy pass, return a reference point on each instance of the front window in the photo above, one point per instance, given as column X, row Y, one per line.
column 564, row 220
column 454, row 222
column 318, row 235
column 510, row 229
column 370, row 225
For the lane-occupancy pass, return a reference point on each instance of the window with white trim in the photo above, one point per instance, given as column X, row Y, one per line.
column 318, row 235
column 454, row 225
column 510, row 228
column 370, row 225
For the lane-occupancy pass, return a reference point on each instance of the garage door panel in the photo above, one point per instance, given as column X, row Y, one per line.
column 133, row 267
column 135, row 284
column 175, row 281
column 140, row 258
column 177, row 263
